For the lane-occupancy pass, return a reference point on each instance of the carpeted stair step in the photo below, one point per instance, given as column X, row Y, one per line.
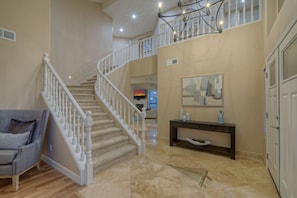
column 112, row 157
column 79, row 96
column 106, row 145
column 99, row 116
column 106, row 133
column 82, row 91
column 90, row 83
column 86, row 102
column 93, row 109
column 102, row 124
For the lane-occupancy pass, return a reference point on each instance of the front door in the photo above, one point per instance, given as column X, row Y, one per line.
column 272, row 117
column 288, row 113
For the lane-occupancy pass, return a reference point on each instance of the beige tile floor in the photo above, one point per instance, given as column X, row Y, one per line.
column 150, row 175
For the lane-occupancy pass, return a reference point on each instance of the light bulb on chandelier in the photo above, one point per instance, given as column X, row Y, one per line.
column 195, row 17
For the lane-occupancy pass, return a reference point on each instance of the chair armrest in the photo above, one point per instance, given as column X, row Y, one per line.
column 27, row 156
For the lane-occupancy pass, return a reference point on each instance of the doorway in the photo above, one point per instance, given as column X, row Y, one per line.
column 281, row 114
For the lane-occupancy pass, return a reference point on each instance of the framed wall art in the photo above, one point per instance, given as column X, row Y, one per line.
column 204, row 90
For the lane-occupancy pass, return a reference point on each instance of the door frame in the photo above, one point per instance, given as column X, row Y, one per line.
column 271, row 123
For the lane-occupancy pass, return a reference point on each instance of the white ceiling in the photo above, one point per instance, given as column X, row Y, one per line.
column 121, row 12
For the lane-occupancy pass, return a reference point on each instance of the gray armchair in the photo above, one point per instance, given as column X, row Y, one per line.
column 18, row 156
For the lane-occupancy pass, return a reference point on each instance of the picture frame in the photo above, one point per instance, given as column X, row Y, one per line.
column 205, row 90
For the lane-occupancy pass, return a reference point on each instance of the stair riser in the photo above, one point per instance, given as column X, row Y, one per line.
column 83, row 91
column 102, row 167
column 98, row 152
column 102, row 126
column 106, row 136
column 88, row 83
column 99, row 117
column 85, row 97
column 79, row 87
column 87, row 103
column 93, row 110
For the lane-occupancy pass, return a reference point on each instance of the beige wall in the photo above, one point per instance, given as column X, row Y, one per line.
column 143, row 67
column 121, row 79
column 238, row 54
column 21, row 61
column 284, row 19
column 81, row 34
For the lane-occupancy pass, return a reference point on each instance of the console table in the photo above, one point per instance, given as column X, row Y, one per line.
column 206, row 126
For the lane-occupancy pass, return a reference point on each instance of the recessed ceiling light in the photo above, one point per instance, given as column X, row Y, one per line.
column 121, row 30
column 133, row 16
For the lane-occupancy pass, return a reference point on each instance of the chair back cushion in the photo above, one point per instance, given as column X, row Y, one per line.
column 20, row 126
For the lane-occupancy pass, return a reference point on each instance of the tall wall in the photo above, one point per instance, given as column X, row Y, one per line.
column 279, row 26
column 238, row 54
column 81, row 34
column 21, row 61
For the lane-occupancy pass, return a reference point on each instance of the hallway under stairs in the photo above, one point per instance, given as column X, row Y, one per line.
column 109, row 143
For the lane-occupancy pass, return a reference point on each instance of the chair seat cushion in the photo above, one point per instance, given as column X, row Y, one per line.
column 7, row 156
column 13, row 141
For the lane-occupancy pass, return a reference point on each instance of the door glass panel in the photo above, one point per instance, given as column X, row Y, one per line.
column 290, row 60
column 272, row 74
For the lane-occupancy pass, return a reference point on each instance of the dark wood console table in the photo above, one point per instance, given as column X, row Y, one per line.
column 206, row 126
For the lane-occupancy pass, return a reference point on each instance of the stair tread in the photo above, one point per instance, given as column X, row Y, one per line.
column 106, row 131
column 109, row 156
column 108, row 142
column 80, row 86
column 103, row 121
column 82, row 94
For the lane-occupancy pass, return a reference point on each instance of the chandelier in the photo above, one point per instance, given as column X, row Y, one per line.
column 194, row 17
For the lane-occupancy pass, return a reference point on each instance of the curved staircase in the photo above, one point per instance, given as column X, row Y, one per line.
column 109, row 143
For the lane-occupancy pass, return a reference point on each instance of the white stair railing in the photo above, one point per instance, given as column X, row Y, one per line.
column 71, row 120
column 233, row 12
column 131, row 119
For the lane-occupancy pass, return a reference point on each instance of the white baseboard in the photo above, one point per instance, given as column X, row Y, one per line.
column 65, row 171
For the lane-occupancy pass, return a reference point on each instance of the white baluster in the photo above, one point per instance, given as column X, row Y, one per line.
column 63, row 108
column 70, row 122
column 78, row 134
column 89, row 166
column 82, row 153
column 74, row 126
column 66, row 114
column 143, row 131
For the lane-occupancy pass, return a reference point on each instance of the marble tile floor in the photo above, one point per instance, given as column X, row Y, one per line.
column 154, row 174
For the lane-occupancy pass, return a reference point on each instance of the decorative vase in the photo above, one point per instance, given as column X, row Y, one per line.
column 181, row 114
column 188, row 117
column 221, row 117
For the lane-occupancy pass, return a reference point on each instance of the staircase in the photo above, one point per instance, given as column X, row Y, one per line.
column 109, row 144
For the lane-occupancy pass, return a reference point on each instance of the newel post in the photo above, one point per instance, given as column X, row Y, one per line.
column 89, row 163
column 45, row 86
column 143, row 131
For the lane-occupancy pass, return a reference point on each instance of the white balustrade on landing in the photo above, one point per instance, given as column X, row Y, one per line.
column 126, row 113
column 233, row 13
column 71, row 119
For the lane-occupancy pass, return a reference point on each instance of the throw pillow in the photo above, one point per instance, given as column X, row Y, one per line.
column 13, row 141
column 19, row 126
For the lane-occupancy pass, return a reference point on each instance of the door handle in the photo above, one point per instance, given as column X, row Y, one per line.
column 275, row 127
